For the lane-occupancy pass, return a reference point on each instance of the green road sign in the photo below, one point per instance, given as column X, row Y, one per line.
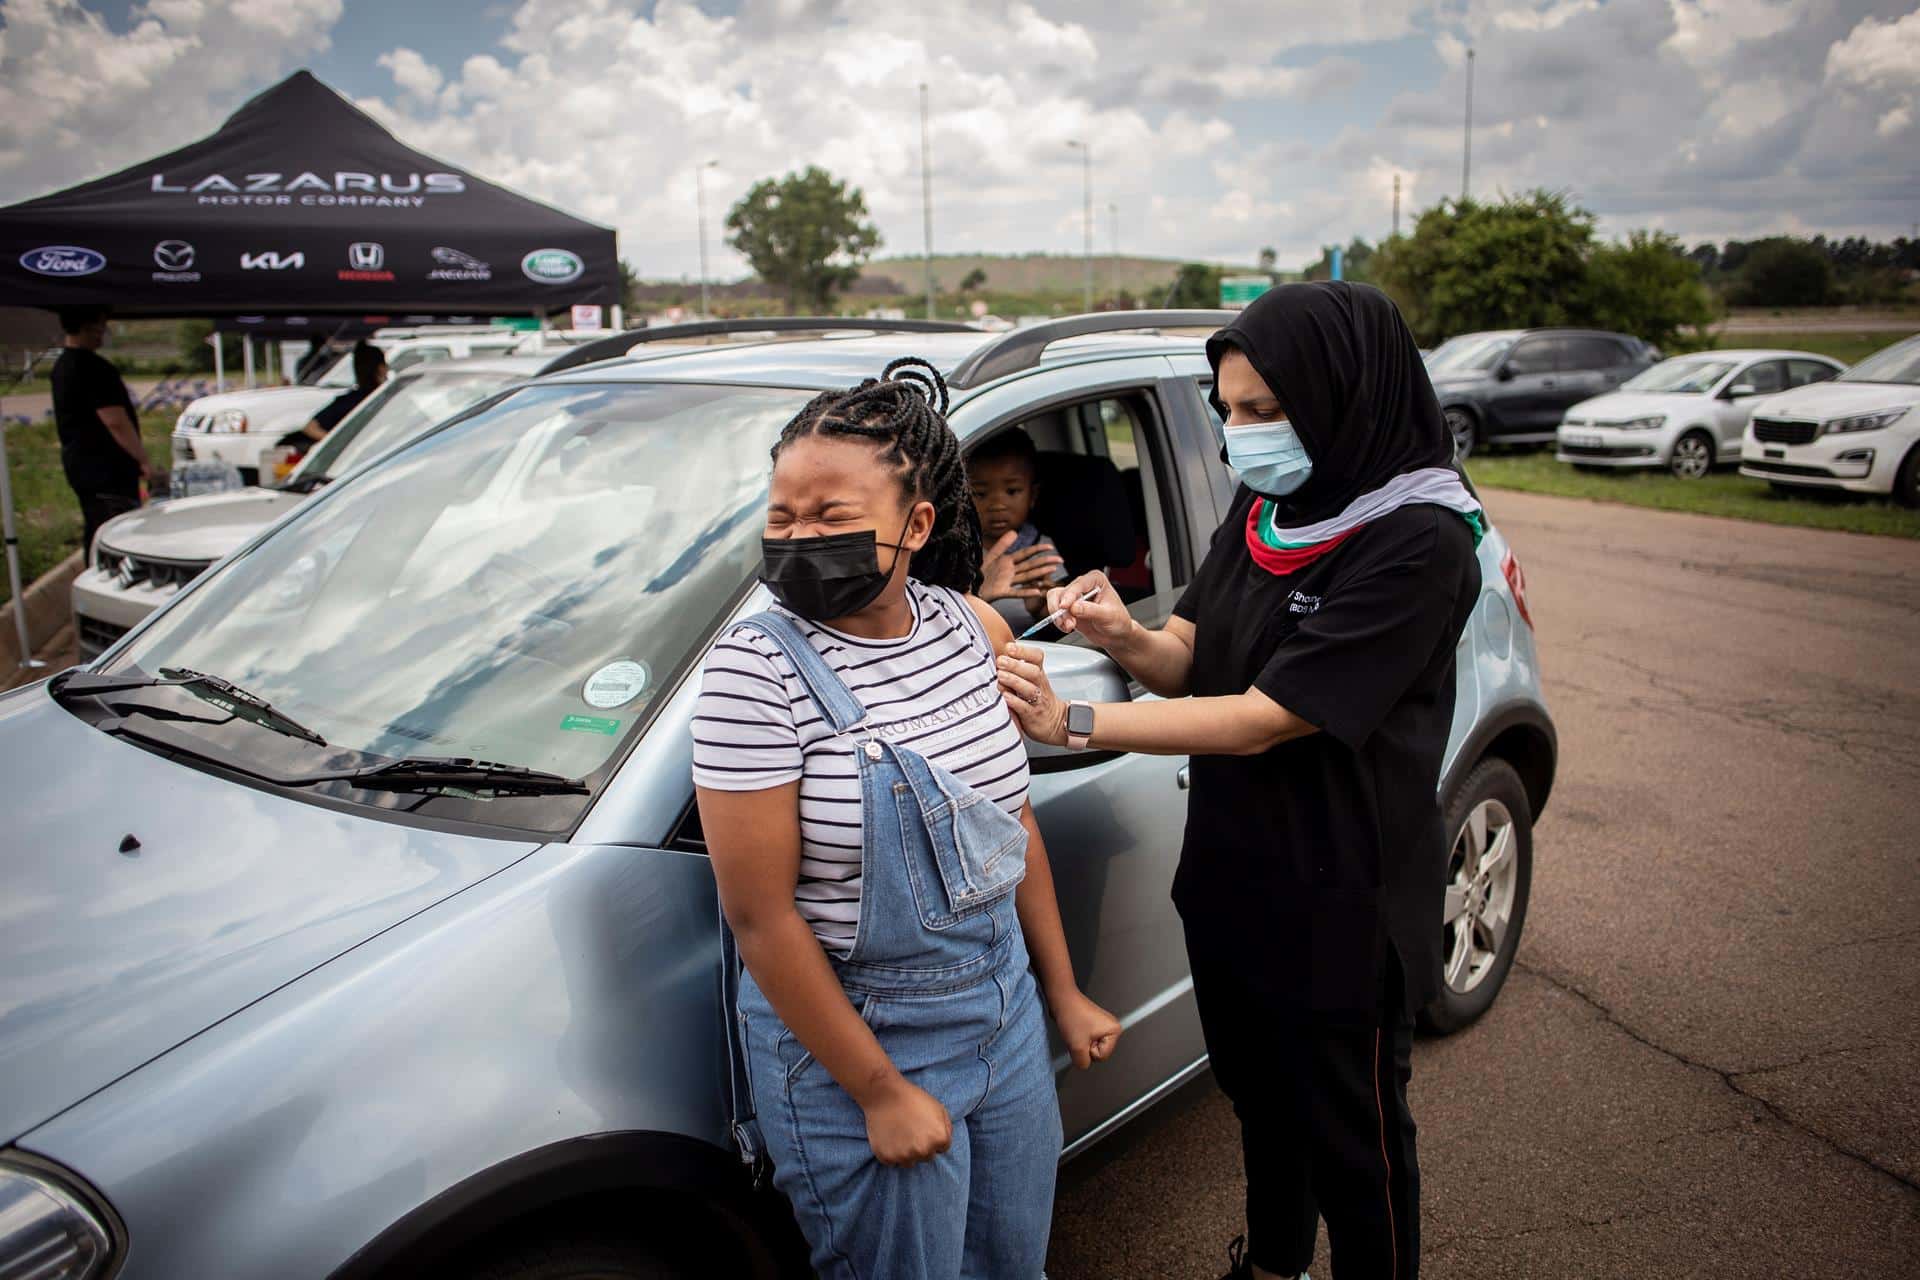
column 1238, row 291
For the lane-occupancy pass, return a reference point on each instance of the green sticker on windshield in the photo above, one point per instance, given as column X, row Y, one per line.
column 590, row 724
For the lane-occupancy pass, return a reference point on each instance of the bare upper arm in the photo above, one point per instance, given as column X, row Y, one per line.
column 114, row 417
column 999, row 634
column 753, row 840
column 1180, row 629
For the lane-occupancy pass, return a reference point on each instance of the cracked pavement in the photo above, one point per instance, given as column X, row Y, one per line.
column 1703, row 1064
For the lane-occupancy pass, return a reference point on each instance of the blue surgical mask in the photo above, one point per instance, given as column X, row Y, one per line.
column 1269, row 457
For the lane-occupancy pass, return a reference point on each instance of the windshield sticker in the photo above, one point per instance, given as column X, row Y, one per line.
column 590, row 724
column 615, row 685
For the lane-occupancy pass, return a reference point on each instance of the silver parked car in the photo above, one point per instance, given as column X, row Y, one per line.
column 358, row 920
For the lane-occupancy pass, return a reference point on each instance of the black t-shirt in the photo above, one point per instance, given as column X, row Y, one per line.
column 340, row 406
column 1302, row 864
column 85, row 382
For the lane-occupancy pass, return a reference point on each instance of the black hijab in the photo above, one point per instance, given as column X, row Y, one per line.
column 1346, row 369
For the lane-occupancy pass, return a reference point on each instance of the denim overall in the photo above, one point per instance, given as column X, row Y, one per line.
column 939, row 971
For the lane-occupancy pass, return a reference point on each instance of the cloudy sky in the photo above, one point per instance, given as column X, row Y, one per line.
column 1216, row 127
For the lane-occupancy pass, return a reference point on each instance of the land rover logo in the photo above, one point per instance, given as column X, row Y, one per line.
column 552, row 266
column 72, row 260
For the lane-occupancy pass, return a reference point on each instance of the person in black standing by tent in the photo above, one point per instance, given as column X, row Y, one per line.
column 369, row 371
column 1317, row 642
column 100, row 446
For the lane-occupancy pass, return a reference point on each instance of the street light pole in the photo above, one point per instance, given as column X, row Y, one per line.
column 1086, row 185
column 700, row 198
column 926, row 195
column 1113, row 265
column 1466, row 154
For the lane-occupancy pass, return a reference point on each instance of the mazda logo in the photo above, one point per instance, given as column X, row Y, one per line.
column 173, row 255
column 366, row 255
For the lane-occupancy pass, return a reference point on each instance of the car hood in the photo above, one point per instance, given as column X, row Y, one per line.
column 1820, row 401
column 1618, row 406
column 264, row 404
column 111, row 954
column 202, row 528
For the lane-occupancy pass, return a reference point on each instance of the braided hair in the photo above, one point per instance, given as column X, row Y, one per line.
column 904, row 409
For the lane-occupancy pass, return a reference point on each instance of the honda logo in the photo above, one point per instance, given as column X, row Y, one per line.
column 273, row 261
column 366, row 255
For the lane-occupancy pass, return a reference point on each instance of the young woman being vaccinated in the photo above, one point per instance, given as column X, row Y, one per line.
column 1317, row 644
column 863, row 792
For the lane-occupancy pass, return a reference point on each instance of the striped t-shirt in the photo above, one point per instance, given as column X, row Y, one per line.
column 932, row 691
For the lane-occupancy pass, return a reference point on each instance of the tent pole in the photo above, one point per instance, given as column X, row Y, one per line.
column 246, row 357
column 219, row 361
column 27, row 661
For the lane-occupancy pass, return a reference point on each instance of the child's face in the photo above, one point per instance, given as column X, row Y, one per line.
column 1003, row 494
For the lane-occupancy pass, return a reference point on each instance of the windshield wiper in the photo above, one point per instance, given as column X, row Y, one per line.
column 250, row 707
column 305, row 484
column 424, row 773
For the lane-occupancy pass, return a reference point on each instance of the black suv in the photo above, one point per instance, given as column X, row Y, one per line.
column 1512, row 386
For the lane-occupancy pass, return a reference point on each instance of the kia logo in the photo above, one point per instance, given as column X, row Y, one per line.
column 173, row 255
column 273, row 260
column 63, row 260
column 366, row 255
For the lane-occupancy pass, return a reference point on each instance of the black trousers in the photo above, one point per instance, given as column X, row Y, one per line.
column 98, row 506
column 1324, row 1127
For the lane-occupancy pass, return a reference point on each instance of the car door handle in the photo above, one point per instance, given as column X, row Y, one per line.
column 1184, row 778
column 1548, row 382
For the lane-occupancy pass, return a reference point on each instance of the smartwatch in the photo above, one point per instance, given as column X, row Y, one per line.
column 1079, row 724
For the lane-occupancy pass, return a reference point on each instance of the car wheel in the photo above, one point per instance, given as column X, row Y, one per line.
column 1465, row 430
column 1692, row 456
column 1489, row 874
column 1906, row 482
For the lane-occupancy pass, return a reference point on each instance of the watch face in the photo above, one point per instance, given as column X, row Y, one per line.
column 1079, row 719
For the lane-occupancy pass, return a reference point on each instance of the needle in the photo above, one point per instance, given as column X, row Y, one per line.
column 1055, row 618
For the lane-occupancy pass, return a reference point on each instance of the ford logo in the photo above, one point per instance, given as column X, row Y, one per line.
column 552, row 266
column 64, row 260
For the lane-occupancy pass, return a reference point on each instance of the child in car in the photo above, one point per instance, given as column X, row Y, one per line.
column 1020, row 562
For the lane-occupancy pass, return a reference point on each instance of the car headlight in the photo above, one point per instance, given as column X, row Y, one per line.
column 1865, row 421
column 228, row 420
column 47, row 1231
column 1640, row 424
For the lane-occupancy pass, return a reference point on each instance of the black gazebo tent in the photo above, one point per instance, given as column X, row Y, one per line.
column 301, row 202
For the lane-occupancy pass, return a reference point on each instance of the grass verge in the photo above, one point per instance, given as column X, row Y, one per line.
column 1723, row 493
column 1848, row 348
column 45, row 511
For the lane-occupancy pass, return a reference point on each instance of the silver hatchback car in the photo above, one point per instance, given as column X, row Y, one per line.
column 358, row 921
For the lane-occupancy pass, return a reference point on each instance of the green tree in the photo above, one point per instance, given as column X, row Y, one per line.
column 973, row 280
column 1356, row 263
column 1647, row 287
column 1784, row 272
column 1197, row 285
column 629, row 289
column 1269, row 258
column 806, row 233
column 1518, row 263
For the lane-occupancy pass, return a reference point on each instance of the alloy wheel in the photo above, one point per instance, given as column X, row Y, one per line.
column 1482, row 876
column 1460, row 425
column 1692, row 458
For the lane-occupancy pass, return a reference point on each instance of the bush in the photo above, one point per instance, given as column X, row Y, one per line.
column 1784, row 272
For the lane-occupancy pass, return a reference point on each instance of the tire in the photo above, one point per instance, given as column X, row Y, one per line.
column 1906, row 481
column 1486, row 900
column 1692, row 457
column 585, row 1255
column 1464, row 427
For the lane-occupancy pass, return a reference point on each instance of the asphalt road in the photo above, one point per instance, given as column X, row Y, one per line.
column 1704, row 1063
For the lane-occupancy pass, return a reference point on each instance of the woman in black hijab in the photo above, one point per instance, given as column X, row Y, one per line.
column 1309, row 672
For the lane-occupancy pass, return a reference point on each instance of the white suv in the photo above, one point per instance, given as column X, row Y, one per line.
column 1859, row 432
column 239, row 426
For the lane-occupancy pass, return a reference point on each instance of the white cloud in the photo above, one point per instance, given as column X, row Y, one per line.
column 79, row 100
column 1878, row 54
column 412, row 72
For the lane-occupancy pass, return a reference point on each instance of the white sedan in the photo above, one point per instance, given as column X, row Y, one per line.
column 1686, row 414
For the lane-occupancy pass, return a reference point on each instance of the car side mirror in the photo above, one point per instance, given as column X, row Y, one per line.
column 1078, row 673
column 1504, row 373
column 1739, row 389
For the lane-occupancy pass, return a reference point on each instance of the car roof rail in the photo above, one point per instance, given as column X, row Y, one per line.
column 1022, row 348
column 616, row 345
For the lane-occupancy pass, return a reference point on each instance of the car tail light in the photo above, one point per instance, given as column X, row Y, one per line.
column 1517, row 583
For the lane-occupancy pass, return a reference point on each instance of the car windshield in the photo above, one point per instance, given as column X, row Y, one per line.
column 1470, row 353
column 338, row 374
column 1683, row 374
column 518, row 588
column 394, row 414
column 1898, row 363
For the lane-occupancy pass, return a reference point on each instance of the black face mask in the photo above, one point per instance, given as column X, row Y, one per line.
column 826, row 577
